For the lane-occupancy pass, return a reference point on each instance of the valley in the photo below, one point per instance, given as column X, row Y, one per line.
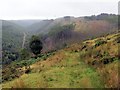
column 77, row 52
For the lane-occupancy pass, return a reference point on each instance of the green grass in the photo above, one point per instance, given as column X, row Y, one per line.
column 69, row 73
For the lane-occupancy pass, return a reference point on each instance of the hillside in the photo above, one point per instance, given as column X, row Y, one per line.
column 83, row 24
column 25, row 23
column 45, row 26
column 90, row 64
column 66, row 30
column 55, row 33
column 12, row 35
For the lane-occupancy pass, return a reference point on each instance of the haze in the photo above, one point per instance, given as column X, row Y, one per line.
column 50, row 9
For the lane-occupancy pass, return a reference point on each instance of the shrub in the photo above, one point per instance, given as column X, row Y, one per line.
column 96, row 54
column 9, row 73
column 105, row 54
column 99, row 42
column 117, row 39
column 83, row 47
column 24, row 54
column 27, row 71
column 95, row 62
column 106, row 60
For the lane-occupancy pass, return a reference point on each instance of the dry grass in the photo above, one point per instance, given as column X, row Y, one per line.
column 19, row 84
column 109, row 74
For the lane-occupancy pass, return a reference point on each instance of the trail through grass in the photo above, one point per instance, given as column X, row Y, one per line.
column 69, row 73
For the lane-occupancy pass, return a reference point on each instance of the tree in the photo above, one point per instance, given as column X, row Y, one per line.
column 24, row 54
column 36, row 45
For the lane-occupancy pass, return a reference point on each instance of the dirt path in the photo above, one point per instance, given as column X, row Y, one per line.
column 24, row 38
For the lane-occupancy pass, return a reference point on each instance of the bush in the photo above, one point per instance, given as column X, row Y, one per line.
column 24, row 54
column 99, row 42
column 117, row 39
column 106, row 54
column 83, row 47
column 9, row 73
column 96, row 54
column 106, row 60
column 28, row 70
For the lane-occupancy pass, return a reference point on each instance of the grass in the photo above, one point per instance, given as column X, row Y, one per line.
column 69, row 68
column 69, row 73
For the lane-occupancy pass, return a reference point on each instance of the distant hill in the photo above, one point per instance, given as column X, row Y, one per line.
column 24, row 23
column 83, row 24
column 61, row 33
column 40, row 27
column 102, row 20
column 45, row 26
column 57, row 33
column 11, row 32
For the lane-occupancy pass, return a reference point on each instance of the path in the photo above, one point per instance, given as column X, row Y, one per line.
column 24, row 38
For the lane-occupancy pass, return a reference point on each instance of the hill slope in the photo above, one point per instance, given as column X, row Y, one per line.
column 59, row 32
column 92, row 64
column 92, row 24
column 12, row 35
column 24, row 23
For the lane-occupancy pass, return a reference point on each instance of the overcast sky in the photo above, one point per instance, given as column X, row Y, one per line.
column 50, row 9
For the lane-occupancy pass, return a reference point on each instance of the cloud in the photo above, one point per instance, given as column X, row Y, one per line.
column 30, row 9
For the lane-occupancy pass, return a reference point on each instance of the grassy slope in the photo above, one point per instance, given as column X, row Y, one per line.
column 72, row 68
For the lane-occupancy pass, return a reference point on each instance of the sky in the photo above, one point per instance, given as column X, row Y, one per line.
column 51, row 9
